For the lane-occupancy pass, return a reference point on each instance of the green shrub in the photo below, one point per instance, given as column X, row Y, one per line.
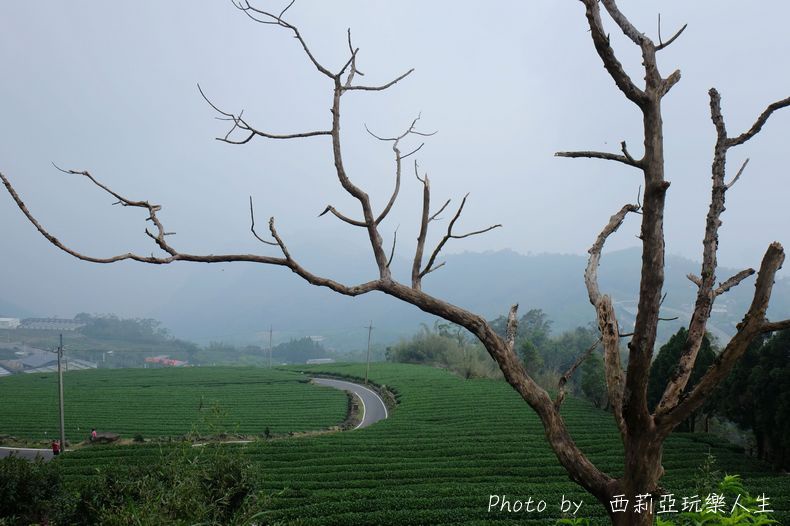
column 187, row 486
column 746, row 514
column 27, row 489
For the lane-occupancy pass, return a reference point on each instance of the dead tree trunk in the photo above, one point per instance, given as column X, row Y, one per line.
column 642, row 433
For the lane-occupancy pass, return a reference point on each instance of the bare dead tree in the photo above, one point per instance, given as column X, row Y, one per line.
column 643, row 433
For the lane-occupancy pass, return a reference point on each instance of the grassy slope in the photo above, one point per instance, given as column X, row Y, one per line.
column 448, row 446
column 167, row 402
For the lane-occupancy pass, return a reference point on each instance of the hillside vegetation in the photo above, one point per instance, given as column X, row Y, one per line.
column 448, row 446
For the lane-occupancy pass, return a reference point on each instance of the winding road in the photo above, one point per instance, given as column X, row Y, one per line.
column 373, row 408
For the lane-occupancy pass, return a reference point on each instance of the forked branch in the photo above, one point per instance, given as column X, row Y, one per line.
column 733, row 281
column 569, row 373
column 252, row 228
column 591, row 273
column 753, row 323
column 759, row 123
column 610, row 60
column 240, row 124
column 706, row 293
column 411, row 130
column 607, row 320
column 342, row 217
column 775, row 326
column 661, row 44
column 625, row 158
column 429, row 267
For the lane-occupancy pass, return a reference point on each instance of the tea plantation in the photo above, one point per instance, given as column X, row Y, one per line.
column 168, row 402
column 445, row 450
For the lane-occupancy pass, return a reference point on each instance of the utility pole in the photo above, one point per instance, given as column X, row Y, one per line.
column 270, row 346
column 367, row 369
column 60, row 392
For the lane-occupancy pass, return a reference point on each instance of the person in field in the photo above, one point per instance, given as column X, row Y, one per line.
column 93, row 434
column 55, row 447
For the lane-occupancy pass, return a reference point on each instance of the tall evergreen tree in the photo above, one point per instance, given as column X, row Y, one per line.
column 756, row 396
column 663, row 368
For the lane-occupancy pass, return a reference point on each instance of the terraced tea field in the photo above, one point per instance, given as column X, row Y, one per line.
column 449, row 445
column 168, row 402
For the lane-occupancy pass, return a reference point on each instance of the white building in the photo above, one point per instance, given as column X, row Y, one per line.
column 9, row 323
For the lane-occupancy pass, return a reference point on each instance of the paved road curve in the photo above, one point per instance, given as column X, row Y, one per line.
column 372, row 405
column 26, row 452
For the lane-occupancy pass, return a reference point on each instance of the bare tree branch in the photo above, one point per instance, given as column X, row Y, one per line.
column 625, row 159
column 661, row 45
column 569, row 373
column 449, row 235
column 435, row 217
column 174, row 255
column 759, row 123
column 512, row 327
column 152, row 210
column 416, row 275
column 433, row 268
column 591, row 273
column 610, row 61
column 624, row 149
column 415, row 150
column 353, row 62
column 775, row 326
column 615, row 380
column 392, row 252
column 411, row 130
column 252, row 228
column 379, row 88
column 395, row 191
column 733, row 281
column 342, row 217
column 695, row 279
column 738, row 175
column 628, row 29
column 753, row 323
column 607, row 320
column 476, row 232
column 270, row 18
column 240, row 124
column 706, row 293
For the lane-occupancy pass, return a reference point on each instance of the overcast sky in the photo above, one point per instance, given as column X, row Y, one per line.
column 111, row 88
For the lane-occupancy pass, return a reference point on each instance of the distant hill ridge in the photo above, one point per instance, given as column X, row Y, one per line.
column 241, row 302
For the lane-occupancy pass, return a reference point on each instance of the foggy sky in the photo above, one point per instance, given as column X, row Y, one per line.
column 111, row 88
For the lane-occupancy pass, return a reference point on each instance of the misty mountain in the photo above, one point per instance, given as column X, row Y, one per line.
column 238, row 303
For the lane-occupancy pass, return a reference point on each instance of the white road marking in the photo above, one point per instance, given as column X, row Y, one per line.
column 364, row 412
